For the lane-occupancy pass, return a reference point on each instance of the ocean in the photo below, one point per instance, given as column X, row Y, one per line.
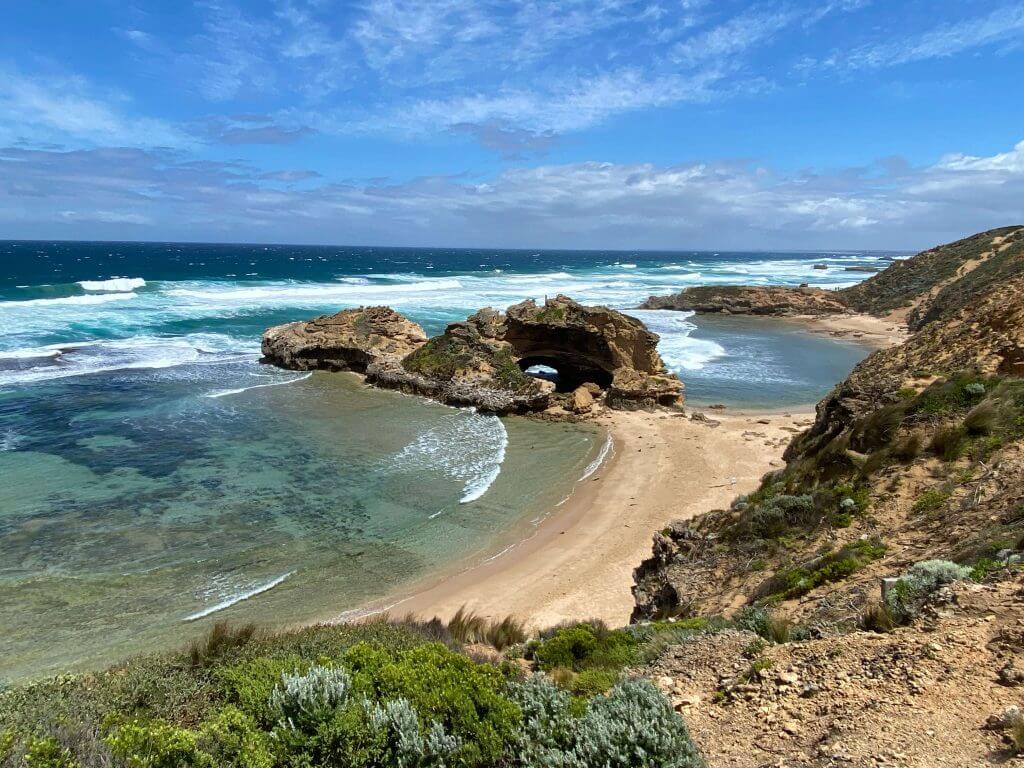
column 156, row 476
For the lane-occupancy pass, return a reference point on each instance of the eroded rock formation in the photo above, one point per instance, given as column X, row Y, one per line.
column 350, row 340
column 482, row 361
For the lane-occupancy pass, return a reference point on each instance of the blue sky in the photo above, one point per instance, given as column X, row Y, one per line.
column 580, row 123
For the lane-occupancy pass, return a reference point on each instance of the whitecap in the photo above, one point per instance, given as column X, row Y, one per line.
column 136, row 352
column 114, row 284
column 98, row 298
column 10, row 440
column 679, row 351
column 239, row 597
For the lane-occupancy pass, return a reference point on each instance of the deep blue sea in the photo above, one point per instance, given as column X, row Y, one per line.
column 155, row 475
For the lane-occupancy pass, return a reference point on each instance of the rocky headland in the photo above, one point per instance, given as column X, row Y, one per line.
column 890, row 543
column 602, row 357
column 777, row 301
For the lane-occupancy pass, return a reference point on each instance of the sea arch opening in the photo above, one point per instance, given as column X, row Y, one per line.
column 567, row 372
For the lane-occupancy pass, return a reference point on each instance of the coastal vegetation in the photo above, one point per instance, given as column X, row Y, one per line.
column 382, row 693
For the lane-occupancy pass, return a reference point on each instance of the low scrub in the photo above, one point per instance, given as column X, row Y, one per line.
column 377, row 695
column 791, row 583
column 905, row 599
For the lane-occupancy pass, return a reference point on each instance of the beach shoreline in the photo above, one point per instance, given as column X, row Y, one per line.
column 876, row 332
column 578, row 561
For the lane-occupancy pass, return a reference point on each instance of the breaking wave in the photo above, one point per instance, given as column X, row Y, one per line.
column 467, row 446
column 114, row 284
column 238, row 597
column 60, row 361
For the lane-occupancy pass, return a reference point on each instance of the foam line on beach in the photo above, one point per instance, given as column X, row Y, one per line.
column 592, row 467
column 238, row 598
column 228, row 392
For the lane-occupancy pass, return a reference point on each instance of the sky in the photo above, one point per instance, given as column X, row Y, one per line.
column 657, row 124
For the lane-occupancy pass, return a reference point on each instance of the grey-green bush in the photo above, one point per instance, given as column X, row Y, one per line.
column 301, row 700
column 405, row 745
column 634, row 726
column 912, row 589
column 546, row 738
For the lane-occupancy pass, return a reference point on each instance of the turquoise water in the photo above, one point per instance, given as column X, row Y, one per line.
column 155, row 506
column 156, row 477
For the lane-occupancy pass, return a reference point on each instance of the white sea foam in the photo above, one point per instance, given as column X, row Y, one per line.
column 60, row 361
column 240, row 390
column 114, row 284
column 98, row 298
column 678, row 349
column 466, row 446
column 29, row 353
column 10, row 440
column 606, row 450
column 239, row 597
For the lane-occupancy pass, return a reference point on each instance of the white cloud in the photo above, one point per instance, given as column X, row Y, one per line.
column 67, row 108
column 999, row 26
column 596, row 205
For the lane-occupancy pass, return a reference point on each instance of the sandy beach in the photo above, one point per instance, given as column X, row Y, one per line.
column 579, row 563
column 878, row 332
column 663, row 467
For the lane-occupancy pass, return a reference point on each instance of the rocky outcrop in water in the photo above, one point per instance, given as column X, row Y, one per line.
column 351, row 340
column 482, row 361
column 779, row 301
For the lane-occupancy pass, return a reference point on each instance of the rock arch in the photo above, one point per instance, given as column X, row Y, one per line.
column 481, row 360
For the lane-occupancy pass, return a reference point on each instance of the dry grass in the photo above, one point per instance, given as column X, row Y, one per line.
column 948, row 443
column 876, row 617
column 467, row 627
column 221, row 638
column 908, row 448
column 1016, row 733
column 982, row 419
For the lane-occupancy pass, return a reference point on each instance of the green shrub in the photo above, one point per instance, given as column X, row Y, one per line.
column 774, row 516
column 250, row 683
column 584, row 646
column 47, row 753
column 789, row 583
column 591, row 682
column 930, row 500
column 465, row 698
column 912, row 589
column 634, row 726
column 157, row 745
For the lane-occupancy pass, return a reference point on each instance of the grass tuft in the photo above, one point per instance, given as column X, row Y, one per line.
column 222, row 638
